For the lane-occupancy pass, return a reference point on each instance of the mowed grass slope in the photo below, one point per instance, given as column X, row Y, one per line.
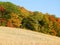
column 16, row 36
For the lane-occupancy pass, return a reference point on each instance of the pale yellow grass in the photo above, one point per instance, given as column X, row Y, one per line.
column 15, row 36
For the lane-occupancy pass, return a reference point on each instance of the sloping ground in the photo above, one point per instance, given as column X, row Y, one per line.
column 13, row 36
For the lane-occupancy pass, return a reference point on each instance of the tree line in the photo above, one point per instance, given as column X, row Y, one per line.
column 12, row 15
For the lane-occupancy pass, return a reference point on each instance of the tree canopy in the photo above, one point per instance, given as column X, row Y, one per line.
column 12, row 15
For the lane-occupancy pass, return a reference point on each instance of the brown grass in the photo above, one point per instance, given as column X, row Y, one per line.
column 13, row 36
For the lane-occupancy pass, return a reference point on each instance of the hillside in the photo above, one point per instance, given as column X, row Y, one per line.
column 12, row 15
column 16, row 36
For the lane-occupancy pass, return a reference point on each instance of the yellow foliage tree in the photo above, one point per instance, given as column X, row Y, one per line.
column 15, row 20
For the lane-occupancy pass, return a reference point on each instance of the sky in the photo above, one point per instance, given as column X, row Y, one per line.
column 44, row 6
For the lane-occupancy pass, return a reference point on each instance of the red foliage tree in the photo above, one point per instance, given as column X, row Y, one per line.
column 2, row 20
column 9, row 23
column 52, row 18
column 58, row 20
column 2, row 9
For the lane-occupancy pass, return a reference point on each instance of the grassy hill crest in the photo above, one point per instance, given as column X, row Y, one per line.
column 12, row 15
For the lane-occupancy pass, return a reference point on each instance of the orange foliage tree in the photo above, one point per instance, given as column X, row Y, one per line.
column 2, row 9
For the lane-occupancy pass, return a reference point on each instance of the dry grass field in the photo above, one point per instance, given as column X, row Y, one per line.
column 16, row 36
